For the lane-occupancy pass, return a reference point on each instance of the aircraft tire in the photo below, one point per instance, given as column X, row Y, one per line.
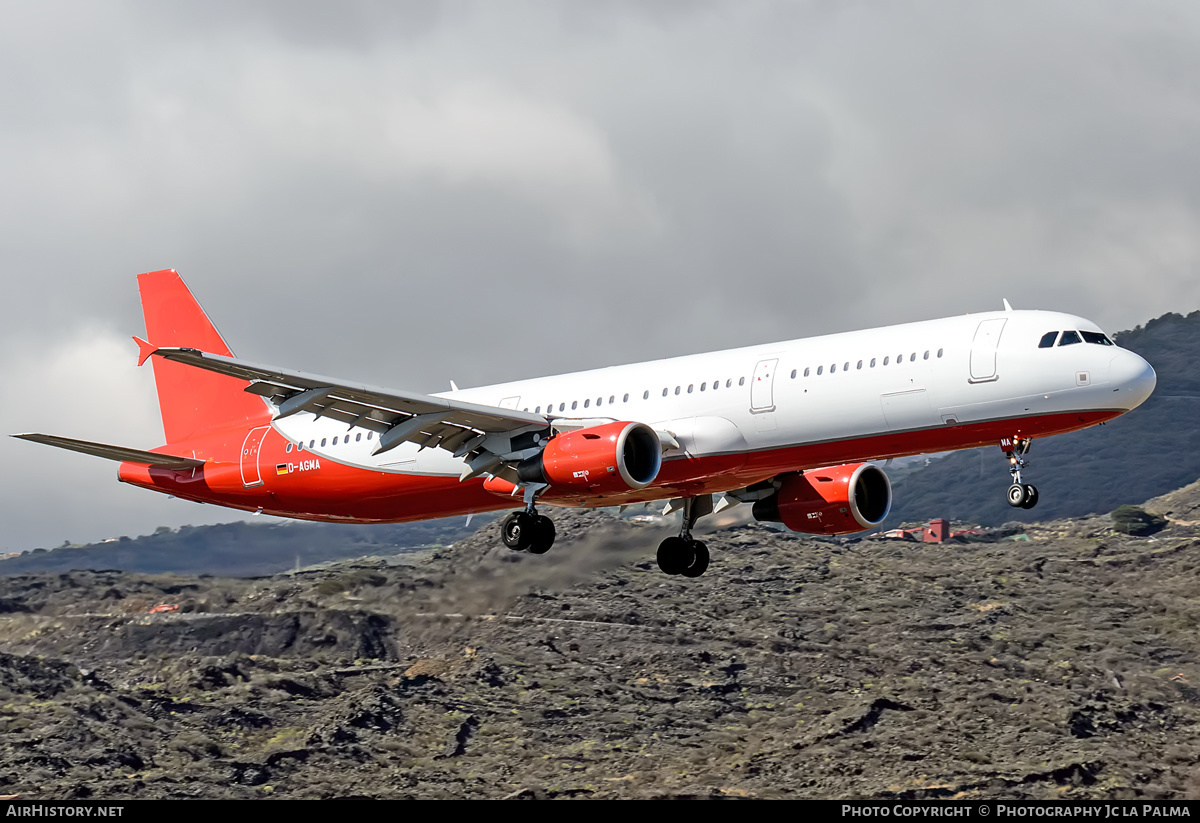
column 1031, row 497
column 1016, row 495
column 674, row 555
column 699, row 563
column 543, row 535
column 517, row 531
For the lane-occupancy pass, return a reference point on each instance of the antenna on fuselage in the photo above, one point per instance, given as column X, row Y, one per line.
column 1007, row 307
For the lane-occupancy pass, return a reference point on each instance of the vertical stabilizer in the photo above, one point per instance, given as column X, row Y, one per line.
column 193, row 402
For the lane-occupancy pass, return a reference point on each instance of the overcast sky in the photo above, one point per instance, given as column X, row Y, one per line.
column 408, row 193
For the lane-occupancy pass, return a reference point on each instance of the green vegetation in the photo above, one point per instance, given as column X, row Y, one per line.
column 1137, row 521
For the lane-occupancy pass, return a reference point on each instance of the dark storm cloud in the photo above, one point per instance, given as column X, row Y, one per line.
column 409, row 193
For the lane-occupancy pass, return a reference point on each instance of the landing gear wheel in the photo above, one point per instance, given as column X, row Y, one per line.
column 543, row 534
column 517, row 531
column 699, row 562
column 675, row 555
column 1016, row 495
column 1031, row 497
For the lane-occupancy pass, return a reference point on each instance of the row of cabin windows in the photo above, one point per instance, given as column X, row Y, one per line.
column 846, row 366
column 1070, row 337
column 312, row 444
column 716, row 384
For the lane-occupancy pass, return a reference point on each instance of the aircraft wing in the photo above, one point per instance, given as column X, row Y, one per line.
column 398, row 417
column 152, row 459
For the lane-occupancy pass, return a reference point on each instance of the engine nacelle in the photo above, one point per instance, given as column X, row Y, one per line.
column 837, row 500
column 613, row 457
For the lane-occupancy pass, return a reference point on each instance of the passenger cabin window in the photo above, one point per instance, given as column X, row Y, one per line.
column 885, row 360
column 1047, row 340
column 1069, row 338
column 741, row 381
column 289, row 448
column 939, row 352
column 806, row 371
column 820, row 369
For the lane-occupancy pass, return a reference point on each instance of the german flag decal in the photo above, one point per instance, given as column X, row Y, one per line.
column 281, row 468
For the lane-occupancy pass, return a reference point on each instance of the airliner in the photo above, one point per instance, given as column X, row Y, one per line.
column 794, row 429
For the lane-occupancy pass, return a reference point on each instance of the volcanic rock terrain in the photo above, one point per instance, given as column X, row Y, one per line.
column 1062, row 664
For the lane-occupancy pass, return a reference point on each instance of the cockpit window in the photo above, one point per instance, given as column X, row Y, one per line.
column 1096, row 337
column 1069, row 337
column 1047, row 340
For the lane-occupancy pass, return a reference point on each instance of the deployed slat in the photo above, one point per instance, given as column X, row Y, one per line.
column 484, row 418
column 447, row 422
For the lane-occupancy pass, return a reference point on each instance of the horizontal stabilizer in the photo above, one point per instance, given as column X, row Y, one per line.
column 152, row 459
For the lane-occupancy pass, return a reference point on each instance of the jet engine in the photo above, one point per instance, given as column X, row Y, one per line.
column 613, row 457
column 836, row 500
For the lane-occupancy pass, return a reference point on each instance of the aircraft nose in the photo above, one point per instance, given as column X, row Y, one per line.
column 1132, row 379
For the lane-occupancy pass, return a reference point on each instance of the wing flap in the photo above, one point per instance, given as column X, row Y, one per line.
column 125, row 455
column 445, row 421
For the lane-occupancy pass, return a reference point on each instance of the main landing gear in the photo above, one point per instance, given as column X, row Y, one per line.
column 1020, row 495
column 528, row 531
column 685, row 554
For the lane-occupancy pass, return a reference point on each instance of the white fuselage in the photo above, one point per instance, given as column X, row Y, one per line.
column 856, row 386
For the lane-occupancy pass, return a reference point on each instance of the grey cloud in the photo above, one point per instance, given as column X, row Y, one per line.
column 405, row 194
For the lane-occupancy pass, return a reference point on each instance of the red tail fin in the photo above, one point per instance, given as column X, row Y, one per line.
column 193, row 402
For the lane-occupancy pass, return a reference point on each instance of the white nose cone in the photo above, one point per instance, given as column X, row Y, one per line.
column 1132, row 379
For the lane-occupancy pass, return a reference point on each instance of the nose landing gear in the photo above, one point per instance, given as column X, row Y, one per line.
column 1021, row 495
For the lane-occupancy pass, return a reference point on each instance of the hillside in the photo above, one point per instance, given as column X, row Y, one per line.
column 1148, row 452
column 243, row 549
column 1060, row 667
